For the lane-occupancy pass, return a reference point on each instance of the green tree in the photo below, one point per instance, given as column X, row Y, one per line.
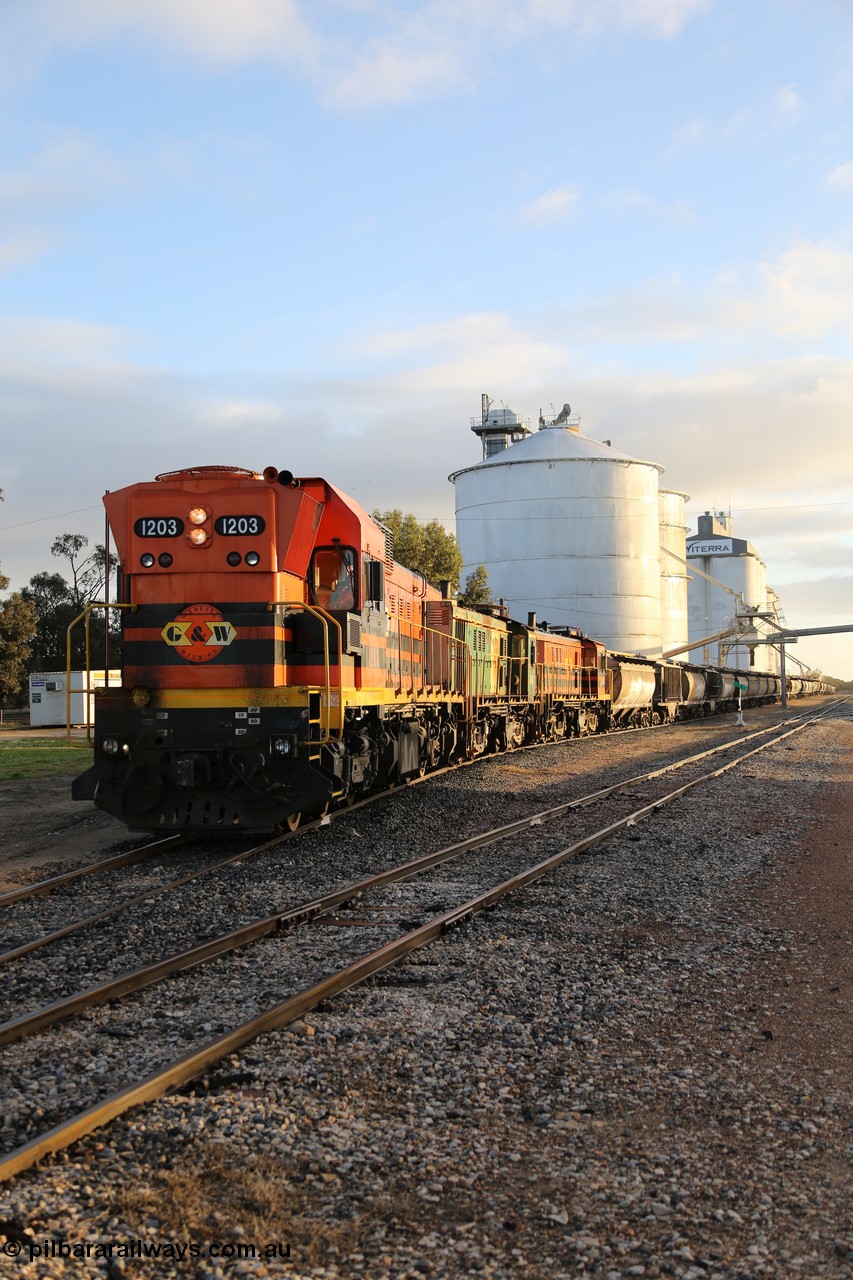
column 17, row 628
column 427, row 548
column 58, row 602
column 50, row 596
column 88, row 572
column 477, row 590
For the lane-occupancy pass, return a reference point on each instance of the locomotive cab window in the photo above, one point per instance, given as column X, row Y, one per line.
column 332, row 578
column 374, row 581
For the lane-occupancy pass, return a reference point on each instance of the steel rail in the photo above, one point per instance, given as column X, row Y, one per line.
column 136, row 980
column 199, row 1060
column 108, row 864
column 154, row 892
column 97, row 917
column 57, row 935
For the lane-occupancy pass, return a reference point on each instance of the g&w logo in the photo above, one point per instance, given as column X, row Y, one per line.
column 199, row 633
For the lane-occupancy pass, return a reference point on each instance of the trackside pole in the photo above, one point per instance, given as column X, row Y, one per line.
column 783, row 677
column 739, row 722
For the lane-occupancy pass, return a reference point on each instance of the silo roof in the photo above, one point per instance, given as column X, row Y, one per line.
column 555, row 444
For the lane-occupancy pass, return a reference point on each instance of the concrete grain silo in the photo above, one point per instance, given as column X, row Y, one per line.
column 732, row 581
column 673, row 570
column 567, row 527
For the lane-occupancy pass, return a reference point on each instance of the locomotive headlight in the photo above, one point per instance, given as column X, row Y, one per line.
column 252, row 557
column 197, row 515
column 198, row 537
column 110, row 746
column 147, row 560
column 282, row 746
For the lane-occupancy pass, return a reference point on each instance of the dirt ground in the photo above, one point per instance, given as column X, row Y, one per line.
column 41, row 825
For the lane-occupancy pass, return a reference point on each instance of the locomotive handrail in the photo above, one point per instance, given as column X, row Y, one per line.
column 568, row 681
column 86, row 690
column 324, row 619
column 425, row 641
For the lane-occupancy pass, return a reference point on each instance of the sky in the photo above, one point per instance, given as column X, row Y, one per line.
column 311, row 233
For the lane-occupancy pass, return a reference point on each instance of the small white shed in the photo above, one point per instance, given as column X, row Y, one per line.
column 48, row 692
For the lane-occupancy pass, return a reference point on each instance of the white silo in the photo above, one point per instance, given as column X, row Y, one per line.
column 774, row 608
column 570, row 529
column 739, row 584
column 673, row 570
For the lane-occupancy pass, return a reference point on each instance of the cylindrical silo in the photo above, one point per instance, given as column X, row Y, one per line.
column 733, row 581
column 673, row 569
column 570, row 528
column 772, row 656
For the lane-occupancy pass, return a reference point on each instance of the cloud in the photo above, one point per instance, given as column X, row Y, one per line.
column 551, row 207
column 469, row 350
column 694, row 133
column 217, row 32
column 24, row 246
column 661, row 18
column 752, row 123
column 786, row 105
column 68, row 171
column 355, row 54
column 800, row 295
column 48, row 343
column 632, row 199
column 388, row 71
column 805, row 292
column 841, row 178
column 231, row 414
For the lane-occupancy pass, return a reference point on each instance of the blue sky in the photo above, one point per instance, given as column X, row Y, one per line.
column 260, row 231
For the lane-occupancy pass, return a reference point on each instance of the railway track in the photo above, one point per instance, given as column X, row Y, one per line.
column 122, row 906
column 356, row 968
column 119, row 860
column 151, row 893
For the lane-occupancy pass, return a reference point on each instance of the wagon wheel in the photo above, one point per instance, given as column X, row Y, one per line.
column 293, row 820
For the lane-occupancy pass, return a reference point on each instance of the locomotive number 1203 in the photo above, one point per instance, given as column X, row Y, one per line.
column 158, row 527
column 235, row 525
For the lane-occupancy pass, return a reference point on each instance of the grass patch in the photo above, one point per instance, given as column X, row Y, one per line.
column 41, row 758
column 208, row 1193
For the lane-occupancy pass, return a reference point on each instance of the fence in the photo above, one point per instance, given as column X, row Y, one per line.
column 15, row 719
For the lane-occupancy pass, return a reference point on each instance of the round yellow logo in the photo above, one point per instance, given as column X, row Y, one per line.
column 199, row 633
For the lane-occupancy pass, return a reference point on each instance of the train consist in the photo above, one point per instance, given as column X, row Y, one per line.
column 277, row 661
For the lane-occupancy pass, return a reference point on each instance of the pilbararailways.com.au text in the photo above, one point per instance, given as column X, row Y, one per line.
column 167, row 1250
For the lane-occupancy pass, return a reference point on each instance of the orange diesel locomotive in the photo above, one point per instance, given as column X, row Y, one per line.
column 276, row 660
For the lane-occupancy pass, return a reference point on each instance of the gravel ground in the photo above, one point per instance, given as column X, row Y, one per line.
column 640, row 1066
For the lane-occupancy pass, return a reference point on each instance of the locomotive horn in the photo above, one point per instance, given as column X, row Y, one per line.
column 271, row 474
column 288, row 480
